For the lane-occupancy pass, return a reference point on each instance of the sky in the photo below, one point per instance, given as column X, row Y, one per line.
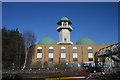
column 95, row 20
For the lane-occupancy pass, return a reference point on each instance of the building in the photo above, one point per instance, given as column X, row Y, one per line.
column 64, row 51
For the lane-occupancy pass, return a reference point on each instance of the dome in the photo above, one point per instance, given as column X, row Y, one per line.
column 47, row 41
column 64, row 18
column 85, row 41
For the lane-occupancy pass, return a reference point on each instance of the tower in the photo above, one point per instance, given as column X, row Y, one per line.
column 64, row 29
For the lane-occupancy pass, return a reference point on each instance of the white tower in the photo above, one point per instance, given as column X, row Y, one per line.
column 64, row 31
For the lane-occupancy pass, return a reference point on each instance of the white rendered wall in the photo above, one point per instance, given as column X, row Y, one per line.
column 64, row 33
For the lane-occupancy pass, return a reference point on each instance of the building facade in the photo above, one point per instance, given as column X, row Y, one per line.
column 64, row 51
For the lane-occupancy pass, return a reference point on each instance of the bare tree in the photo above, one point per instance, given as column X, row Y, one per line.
column 29, row 39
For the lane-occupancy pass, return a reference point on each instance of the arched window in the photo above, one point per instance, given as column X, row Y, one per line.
column 39, row 50
column 62, row 47
column 74, row 47
column 63, row 57
column 51, row 49
column 50, row 55
column 39, row 57
column 90, row 50
column 63, row 50
column 75, row 55
column 89, row 47
column 90, row 54
column 50, row 59
column 74, row 50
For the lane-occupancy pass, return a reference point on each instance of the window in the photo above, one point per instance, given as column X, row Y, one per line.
column 39, row 51
column 74, row 50
column 65, row 39
column 89, row 47
column 62, row 47
column 63, row 59
column 64, row 23
column 39, row 48
column 51, row 47
column 75, row 55
column 50, row 55
column 75, row 59
column 90, row 59
column 39, row 55
column 39, row 59
column 89, row 50
column 74, row 47
column 90, row 55
column 50, row 50
column 62, row 50
column 63, row 55
column 50, row 59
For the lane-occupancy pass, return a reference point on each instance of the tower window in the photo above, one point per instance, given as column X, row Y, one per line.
column 65, row 24
column 65, row 39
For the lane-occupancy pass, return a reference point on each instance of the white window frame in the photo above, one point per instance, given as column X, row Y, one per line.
column 89, row 47
column 74, row 47
column 90, row 55
column 63, row 55
column 63, row 48
column 51, row 55
column 75, row 55
column 51, row 47
column 39, row 55
column 39, row 47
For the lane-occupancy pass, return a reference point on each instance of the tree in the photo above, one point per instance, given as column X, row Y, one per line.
column 29, row 39
column 12, row 48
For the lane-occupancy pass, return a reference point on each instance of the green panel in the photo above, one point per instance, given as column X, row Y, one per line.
column 47, row 41
column 85, row 41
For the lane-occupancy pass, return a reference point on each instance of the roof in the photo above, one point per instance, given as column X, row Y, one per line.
column 64, row 18
column 47, row 41
column 85, row 41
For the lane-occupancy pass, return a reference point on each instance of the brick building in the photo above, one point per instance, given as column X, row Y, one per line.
column 64, row 51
